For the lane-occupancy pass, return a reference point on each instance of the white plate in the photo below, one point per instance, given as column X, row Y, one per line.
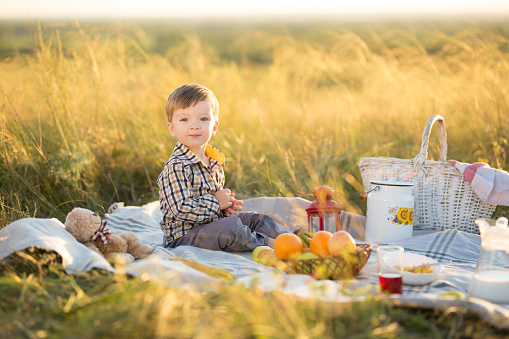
column 413, row 259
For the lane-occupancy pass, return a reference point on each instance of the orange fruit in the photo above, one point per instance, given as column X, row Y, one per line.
column 286, row 245
column 319, row 244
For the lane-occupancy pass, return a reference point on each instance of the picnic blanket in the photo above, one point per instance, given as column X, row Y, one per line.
column 458, row 251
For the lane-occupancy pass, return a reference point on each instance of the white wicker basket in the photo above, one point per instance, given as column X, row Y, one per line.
column 443, row 198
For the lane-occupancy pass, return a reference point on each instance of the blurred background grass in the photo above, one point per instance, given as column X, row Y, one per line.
column 83, row 121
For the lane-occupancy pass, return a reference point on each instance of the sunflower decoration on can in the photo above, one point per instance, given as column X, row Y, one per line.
column 404, row 216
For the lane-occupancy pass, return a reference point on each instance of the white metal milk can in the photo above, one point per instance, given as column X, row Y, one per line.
column 390, row 211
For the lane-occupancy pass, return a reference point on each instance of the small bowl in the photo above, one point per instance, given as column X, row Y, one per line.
column 414, row 259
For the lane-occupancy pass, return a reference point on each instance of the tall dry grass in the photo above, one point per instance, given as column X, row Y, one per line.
column 83, row 119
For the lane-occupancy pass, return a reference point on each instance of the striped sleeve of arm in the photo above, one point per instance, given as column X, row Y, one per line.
column 180, row 200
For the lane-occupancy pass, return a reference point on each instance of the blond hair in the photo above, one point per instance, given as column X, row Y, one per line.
column 189, row 95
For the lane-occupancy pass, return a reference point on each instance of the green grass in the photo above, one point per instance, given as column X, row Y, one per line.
column 41, row 301
column 83, row 124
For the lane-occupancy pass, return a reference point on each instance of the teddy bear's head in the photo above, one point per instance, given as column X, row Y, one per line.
column 82, row 223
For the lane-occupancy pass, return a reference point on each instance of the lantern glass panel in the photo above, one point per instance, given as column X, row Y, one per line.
column 329, row 222
column 314, row 223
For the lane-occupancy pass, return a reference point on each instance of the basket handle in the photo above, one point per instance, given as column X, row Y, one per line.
column 421, row 158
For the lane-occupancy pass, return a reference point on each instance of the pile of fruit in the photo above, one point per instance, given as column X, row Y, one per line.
column 323, row 255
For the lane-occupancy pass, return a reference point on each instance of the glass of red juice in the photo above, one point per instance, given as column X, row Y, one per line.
column 390, row 268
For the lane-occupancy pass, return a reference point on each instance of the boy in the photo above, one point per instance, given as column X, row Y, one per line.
column 197, row 210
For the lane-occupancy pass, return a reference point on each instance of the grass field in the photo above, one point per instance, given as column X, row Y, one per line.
column 83, row 124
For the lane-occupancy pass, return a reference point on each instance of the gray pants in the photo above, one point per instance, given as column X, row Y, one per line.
column 243, row 232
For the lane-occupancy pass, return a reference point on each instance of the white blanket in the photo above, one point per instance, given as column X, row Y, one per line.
column 458, row 247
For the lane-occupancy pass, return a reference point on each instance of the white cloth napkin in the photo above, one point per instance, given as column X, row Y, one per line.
column 490, row 185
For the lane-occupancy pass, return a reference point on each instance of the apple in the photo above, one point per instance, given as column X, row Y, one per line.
column 342, row 243
column 257, row 251
column 265, row 255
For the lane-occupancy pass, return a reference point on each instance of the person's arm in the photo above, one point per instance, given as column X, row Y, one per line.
column 177, row 193
column 234, row 206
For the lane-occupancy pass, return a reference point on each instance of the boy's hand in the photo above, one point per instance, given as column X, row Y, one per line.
column 224, row 197
column 235, row 208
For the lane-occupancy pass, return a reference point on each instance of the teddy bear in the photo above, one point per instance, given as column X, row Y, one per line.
column 116, row 246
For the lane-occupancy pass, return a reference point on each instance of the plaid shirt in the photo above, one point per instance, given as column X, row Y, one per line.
column 186, row 191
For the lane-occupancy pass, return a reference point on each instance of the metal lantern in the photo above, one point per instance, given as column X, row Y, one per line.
column 323, row 213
